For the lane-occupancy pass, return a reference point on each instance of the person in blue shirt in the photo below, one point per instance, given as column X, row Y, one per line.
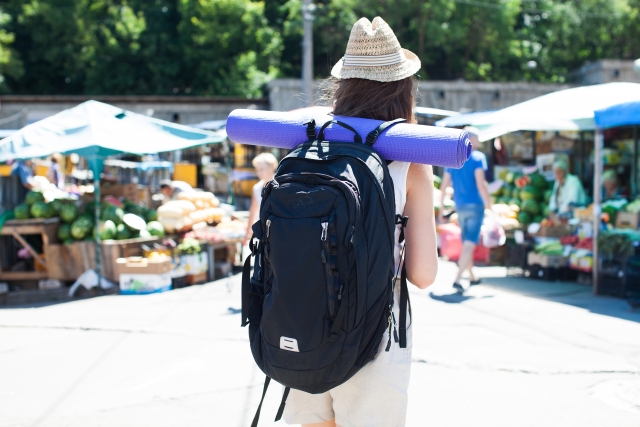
column 471, row 197
column 23, row 170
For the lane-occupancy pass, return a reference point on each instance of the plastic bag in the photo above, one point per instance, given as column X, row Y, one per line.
column 493, row 234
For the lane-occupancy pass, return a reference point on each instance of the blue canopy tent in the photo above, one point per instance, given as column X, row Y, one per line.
column 625, row 114
column 95, row 131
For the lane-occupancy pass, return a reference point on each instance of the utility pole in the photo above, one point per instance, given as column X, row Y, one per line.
column 307, row 51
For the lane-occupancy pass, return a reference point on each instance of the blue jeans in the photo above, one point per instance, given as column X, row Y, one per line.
column 470, row 218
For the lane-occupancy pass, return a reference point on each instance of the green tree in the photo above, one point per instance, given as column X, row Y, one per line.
column 229, row 48
column 10, row 65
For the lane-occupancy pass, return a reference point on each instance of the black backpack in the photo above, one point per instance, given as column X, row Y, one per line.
column 321, row 294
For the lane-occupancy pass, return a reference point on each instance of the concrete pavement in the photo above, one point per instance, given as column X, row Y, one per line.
column 510, row 352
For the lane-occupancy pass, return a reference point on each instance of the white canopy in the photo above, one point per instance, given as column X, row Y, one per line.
column 570, row 109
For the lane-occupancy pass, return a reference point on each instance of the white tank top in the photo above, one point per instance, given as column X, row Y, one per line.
column 399, row 171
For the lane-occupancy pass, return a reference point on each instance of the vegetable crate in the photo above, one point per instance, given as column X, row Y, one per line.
column 552, row 274
column 620, row 278
column 516, row 259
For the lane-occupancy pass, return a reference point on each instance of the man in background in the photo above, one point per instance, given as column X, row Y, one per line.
column 471, row 197
column 22, row 169
column 171, row 189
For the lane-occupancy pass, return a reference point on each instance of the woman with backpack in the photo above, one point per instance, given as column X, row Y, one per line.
column 375, row 81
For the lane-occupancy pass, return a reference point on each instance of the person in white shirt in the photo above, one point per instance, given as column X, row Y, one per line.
column 171, row 189
column 266, row 165
column 567, row 190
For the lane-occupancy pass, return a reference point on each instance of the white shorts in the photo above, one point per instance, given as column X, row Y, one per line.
column 374, row 397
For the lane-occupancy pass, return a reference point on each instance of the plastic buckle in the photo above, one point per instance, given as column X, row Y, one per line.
column 402, row 220
column 371, row 138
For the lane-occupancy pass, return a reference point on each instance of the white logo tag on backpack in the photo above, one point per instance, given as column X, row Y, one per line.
column 289, row 344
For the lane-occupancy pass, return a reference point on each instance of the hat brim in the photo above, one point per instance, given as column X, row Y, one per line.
column 387, row 73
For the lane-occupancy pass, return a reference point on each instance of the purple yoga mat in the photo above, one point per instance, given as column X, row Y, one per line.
column 402, row 142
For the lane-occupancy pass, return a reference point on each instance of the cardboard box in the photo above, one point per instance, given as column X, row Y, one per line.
column 139, row 284
column 553, row 261
column 627, row 220
column 196, row 263
column 555, row 231
column 128, row 191
column 138, row 265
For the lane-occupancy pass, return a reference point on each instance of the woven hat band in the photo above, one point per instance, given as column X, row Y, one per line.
column 373, row 61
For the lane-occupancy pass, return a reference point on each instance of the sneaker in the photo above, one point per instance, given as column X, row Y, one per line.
column 475, row 282
column 458, row 287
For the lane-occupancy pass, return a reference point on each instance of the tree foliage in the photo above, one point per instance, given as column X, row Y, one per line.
column 234, row 47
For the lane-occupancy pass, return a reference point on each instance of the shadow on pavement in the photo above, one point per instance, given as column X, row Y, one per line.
column 570, row 293
column 456, row 298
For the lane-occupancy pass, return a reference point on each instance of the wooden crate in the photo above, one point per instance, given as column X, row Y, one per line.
column 68, row 262
column 193, row 279
column 46, row 228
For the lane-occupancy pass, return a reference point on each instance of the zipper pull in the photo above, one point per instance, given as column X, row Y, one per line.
column 268, row 226
column 340, row 292
column 275, row 184
column 325, row 226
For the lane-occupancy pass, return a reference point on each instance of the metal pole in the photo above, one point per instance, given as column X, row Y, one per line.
column 307, row 52
column 634, row 163
column 597, row 196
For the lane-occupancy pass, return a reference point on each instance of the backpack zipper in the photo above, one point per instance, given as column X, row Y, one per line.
column 268, row 223
column 326, row 254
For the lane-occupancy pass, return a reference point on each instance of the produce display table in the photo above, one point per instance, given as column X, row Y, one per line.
column 46, row 228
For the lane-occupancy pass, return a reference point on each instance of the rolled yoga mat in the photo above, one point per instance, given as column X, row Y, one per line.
column 402, row 142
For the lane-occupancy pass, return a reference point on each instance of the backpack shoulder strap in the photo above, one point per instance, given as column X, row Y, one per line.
column 374, row 134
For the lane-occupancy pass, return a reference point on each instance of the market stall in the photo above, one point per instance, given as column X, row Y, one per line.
column 113, row 226
column 529, row 140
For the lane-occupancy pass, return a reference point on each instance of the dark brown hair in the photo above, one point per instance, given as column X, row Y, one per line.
column 374, row 100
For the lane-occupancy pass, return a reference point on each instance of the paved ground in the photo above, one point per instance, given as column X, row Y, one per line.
column 510, row 353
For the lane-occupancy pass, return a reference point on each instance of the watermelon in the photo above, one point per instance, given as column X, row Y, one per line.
column 538, row 181
column 155, row 228
column 122, row 232
column 33, row 197
column 510, row 177
column 546, row 196
column 107, row 230
column 545, row 211
column 68, row 212
column 22, row 211
column 524, row 218
column 130, row 207
column 112, row 213
column 516, row 202
column 530, row 206
column 151, row 215
column 144, row 233
column 64, row 232
column 530, row 193
column 538, row 219
column 134, row 222
column 41, row 210
column 81, row 227
column 56, row 205
column 68, row 241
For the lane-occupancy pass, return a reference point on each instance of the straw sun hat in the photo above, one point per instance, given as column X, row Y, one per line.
column 374, row 53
